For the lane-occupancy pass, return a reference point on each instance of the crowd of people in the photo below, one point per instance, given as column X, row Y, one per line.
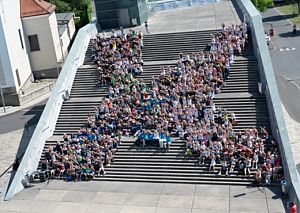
column 80, row 156
column 177, row 103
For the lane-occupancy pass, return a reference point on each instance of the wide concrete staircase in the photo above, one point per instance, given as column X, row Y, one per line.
column 85, row 95
column 150, row 164
column 240, row 95
column 167, row 46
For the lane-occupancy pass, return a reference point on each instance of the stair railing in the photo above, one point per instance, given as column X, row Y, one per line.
column 252, row 17
column 47, row 122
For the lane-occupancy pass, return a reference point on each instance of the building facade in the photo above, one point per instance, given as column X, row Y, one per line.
column 66, row 31
column 33, row 44
column 15, row 70
column 121, row 13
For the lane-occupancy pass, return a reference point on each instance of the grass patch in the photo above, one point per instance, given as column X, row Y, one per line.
column 289, row 9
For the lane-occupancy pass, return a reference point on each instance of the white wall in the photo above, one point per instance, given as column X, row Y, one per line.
column 12, row 55
column 66, row 37
column 55, row 36
column 65, row 43
column 71, row 26
column 45, row 27
column 5, row 78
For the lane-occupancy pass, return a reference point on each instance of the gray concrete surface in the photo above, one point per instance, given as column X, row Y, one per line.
column 285, row 53
column 110, row 197
column 205, row 17
column 16, row 130
column 59, row 196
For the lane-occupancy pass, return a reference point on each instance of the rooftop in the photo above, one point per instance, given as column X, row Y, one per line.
column 61, row 29
column 35, row 7
column 64, row 16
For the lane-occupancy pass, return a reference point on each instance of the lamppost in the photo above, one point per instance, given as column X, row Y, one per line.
column 2, row 97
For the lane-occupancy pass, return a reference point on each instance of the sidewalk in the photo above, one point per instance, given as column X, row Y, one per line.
column 31, row 89
column 285, row 55
column 137, row 197
column 15, row 141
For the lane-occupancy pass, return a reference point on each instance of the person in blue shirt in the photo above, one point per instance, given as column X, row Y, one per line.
column 169, row 140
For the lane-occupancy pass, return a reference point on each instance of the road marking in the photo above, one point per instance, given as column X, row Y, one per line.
column 274, row 47
column 289, row 80
column 287, row 49
column 295, row 84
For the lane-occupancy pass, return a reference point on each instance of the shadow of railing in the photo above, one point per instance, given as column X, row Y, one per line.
column 28, row 131
column 288, row 34
column 278, row 18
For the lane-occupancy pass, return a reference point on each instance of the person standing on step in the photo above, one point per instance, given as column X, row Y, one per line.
column 212, row 163
column 147, row 27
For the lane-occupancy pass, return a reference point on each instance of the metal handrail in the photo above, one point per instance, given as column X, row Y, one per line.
column 46, row 125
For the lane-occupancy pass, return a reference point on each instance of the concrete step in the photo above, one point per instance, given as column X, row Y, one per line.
column 182, row 178
column 167, row 169
column 177, row 173
column 86, row 94
column 219, row 182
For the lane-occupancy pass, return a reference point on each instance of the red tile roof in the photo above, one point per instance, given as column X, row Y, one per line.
column 35, row 8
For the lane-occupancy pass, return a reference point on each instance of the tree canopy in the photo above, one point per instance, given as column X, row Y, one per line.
column 263, row 5
column 296, row 2
column 81, row 8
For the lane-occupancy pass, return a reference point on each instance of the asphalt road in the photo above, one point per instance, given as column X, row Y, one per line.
column 285, row 55
column 17, row 120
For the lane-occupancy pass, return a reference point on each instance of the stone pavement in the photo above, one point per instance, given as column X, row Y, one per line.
column 293, row 128
column 30, row 89
column 14, row 142
column 115, row 197
column 204, row 17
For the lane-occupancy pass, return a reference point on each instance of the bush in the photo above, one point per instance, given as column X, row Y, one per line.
column 263, row 5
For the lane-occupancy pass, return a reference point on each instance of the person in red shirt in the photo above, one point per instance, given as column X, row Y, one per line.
column 292, row 207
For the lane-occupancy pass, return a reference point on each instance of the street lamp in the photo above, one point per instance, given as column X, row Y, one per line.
column 2, row 97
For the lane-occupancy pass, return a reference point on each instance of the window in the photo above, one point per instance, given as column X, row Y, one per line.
column 21, row 40
column 34, row 43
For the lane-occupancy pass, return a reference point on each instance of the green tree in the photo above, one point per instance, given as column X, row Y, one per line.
column 61, row 6
column 263, row 5
column 82, row 9
column 293, row 3
column 296, row 2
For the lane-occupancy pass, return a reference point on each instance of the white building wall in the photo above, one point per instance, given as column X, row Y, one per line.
column 67, row 37
column 71, row 26
column 13, row 56
column 45, row 27
column 65, row 43
column 55, row 37
column 6, row 78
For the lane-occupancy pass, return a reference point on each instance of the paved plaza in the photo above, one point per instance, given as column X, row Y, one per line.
column 115, row 197
column 205, row 17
